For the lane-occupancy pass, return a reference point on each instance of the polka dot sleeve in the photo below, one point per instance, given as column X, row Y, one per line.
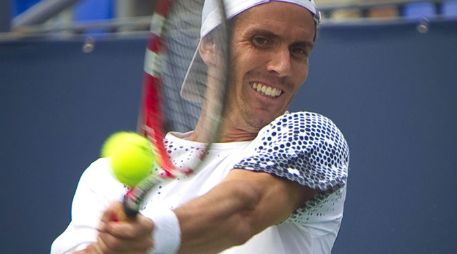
column 303, row 147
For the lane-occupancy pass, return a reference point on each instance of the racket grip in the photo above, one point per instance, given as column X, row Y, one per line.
column 122, row 212
column 130, row 207
column 118, row 213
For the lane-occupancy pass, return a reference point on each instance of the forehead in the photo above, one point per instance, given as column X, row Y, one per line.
column 277, row 17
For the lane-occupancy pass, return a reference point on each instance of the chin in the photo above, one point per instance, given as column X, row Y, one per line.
column 259, row 121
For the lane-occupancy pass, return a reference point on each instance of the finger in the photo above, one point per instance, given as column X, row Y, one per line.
column 113, row 244
column 114, row 212
column 139, row 227
column 124, row 236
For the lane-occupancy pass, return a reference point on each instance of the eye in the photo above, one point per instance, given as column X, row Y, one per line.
column 300, row 52
column 261, row 41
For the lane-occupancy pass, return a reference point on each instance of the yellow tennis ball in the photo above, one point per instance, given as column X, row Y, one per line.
column 131, row 155
column 113, row 141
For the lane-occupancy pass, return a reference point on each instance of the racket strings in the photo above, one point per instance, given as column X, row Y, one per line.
column 181, row 36
column 180, row 66
column 174, row 43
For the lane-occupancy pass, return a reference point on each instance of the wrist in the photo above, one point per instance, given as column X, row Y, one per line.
column 167, row 233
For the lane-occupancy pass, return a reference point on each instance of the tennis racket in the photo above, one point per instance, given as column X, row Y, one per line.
column 166, row 105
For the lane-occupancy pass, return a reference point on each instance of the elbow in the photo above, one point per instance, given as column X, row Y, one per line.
column 245, row 219
column 244, row 233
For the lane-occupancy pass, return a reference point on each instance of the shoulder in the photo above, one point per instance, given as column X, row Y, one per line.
column 300, row 122
column 98, row 177
column 301, row 130
column 303, row 147
column 99, row 169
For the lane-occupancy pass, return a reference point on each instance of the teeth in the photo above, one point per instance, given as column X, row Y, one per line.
column 266, row 90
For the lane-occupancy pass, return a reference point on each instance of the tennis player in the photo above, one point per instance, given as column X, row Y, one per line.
column 276, row 181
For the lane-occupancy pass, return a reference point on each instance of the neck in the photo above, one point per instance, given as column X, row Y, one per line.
column 230, row 131
column 233, row 129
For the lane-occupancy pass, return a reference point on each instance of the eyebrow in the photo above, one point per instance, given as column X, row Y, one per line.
column 305, row 44
column 269, row 33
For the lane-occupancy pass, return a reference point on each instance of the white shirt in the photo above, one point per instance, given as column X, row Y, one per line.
column 311, row 229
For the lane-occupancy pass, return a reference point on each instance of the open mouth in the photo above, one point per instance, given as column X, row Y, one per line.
column 266, row 90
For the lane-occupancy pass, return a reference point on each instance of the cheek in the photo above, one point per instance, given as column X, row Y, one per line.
column 243, row 61
column 301, row 73
column 241, row 66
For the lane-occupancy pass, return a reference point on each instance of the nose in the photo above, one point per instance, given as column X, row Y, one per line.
column 280, row 62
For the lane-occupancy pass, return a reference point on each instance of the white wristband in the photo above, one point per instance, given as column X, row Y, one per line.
column 167, row 233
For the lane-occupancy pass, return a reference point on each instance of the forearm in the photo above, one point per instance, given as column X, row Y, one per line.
column 243, row 205
column 217, row 220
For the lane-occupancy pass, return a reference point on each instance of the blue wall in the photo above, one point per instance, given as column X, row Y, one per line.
column 19, row 6
column 391, row 89
column 84, row 9
column 393, row 92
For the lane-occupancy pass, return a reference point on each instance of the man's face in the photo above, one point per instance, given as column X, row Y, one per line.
column 271, row 46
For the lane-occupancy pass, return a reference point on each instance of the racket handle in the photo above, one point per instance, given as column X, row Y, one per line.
column 118, row 213
column 130, row 208
column 133, row 198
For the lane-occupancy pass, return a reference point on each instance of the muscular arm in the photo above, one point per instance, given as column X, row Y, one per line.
column 242, row 205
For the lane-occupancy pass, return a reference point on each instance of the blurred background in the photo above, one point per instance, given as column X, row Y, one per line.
column 66, row 17
column 385, row 71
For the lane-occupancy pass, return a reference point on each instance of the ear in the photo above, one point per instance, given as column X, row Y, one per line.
column 207, row 50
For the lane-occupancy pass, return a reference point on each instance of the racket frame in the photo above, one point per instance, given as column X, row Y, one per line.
column 151, row 122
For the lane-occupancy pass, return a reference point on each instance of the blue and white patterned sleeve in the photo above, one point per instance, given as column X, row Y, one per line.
column 302, row 147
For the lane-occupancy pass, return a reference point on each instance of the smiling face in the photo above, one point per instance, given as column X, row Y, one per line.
column 271, row 47
column 271, row 44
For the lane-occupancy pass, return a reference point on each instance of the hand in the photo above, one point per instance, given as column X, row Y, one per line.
column 129, row 236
